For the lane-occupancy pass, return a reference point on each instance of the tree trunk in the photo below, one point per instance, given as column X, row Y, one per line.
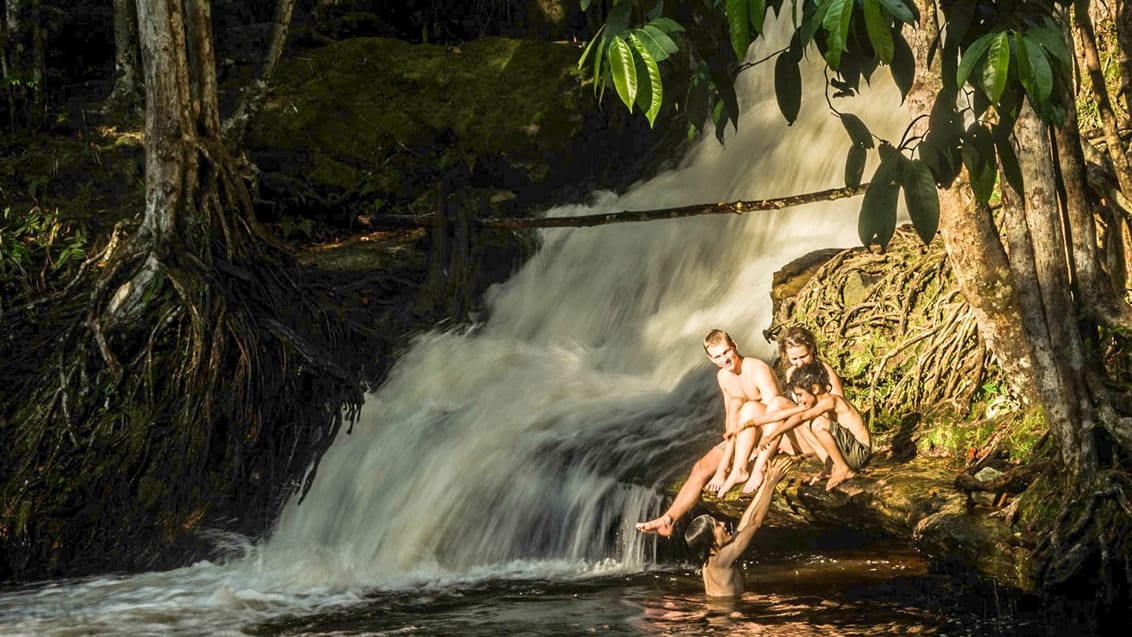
column 974, row 250
column 126, row 96
column 255, row 94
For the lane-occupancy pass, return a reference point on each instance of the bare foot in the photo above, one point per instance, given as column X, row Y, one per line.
column 732, row 480
column 715, row 483
column 817, row 478
column 753, row 482
column 661, row 526
column 837, row 477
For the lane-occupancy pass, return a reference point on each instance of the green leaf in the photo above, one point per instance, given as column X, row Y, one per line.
column 656, row 94
column 996, row 66
column 900, row 11
column 756, row 11
column 590, row 46
column 836, row 24
column 661, row 39
column 903, row 66
column 979, row 158
column 738, row 26
column 1033, row 68
column 586, row 4
column 921, row 198
column 971, row 57
column 959, row 17
column 623, row 70
column 878, row 26
column 877, row 220
column 809, row 27
column 618, row 19
column 788, row 87
column 668, row 25
column 858, row 132
column 1052, row 41
column 855, row 166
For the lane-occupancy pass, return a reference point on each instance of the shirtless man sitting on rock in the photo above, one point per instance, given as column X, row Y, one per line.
column 749, row 389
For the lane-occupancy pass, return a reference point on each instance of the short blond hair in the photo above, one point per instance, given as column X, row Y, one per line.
column 717, row 337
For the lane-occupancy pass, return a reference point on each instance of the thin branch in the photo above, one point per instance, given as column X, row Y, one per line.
column 630, row 216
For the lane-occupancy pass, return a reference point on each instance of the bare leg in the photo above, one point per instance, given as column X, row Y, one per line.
column 839, row 470
column 744, row 443
column 686, row 498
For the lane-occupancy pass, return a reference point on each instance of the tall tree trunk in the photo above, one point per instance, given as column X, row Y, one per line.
column 1037, row 244
column 970, row 237
column 126, row 96
column 255, row 94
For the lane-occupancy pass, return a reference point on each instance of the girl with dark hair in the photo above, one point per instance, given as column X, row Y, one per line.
column 798, row 347
column 721, row 549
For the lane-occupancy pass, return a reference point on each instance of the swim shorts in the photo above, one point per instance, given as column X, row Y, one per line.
column 855, row 453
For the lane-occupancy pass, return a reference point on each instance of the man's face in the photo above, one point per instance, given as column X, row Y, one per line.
column 805, row 397
column 799, row 355
column 724, row 356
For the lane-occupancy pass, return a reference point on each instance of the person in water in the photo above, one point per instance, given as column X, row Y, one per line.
column 827, row 422
column 720, row 549
column 749, row 388
column 798, row 347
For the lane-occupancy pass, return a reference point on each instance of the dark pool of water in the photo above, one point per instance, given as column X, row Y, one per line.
column 869, row 590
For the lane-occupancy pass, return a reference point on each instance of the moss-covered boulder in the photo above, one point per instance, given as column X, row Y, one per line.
column 374, row 125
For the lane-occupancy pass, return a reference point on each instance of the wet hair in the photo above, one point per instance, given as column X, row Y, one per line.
column 798, row 337
column 717, row 337
column 808, row 375
column 700, row 535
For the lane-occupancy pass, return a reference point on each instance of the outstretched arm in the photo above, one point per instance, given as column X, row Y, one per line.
column 755, row 514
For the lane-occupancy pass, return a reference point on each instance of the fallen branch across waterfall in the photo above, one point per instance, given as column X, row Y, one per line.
column 629, row 216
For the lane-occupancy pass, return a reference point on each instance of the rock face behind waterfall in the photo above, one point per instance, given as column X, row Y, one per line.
column 895, row 328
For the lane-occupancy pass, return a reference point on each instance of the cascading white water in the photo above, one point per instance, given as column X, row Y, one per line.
column 529, row 445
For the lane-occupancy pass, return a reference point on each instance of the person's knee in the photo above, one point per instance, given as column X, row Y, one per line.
column 820, row 424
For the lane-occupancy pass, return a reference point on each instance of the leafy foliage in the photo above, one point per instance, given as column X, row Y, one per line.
column 995, row 56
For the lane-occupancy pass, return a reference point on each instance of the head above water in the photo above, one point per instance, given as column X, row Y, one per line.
column 700, row 536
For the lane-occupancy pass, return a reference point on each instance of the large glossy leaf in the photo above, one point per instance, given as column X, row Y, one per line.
column 878, row 24
column 877, row 221
column 739, row 26
column 1051, row 40
column 900, row 11
column 836, row 25
column 959, row 17
column 903, row 66
column 1033, row 68
column 661, row 38
column 623, row 70
column 810, row 26
column 979, row 158
column 756, row 11
column 996, row 66
column 858, row 132
column 971, row 57
column 855, row 165
column 617, row 22
column 655, row 88
column 921, row 198
column 788, row 87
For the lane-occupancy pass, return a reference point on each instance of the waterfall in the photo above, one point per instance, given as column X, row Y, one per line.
column 542, row 434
